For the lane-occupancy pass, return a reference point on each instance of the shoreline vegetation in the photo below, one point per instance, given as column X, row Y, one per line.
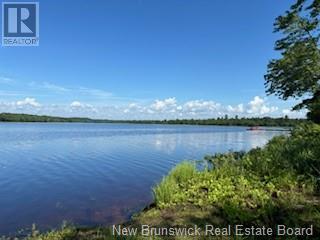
column 224, row 121
column 262, row 188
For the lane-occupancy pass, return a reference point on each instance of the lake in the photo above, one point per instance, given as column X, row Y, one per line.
column 97, row 174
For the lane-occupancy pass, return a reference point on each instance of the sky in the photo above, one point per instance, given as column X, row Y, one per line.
column 146, row 59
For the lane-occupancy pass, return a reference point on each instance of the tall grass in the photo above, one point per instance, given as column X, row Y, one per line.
column 166, row 191
column 251, row 187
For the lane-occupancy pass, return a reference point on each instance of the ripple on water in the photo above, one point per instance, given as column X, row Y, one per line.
column 97, row 173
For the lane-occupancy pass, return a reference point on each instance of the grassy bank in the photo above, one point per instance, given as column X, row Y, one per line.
column 276, row 184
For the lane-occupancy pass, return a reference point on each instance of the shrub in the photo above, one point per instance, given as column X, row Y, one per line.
column 249, row 186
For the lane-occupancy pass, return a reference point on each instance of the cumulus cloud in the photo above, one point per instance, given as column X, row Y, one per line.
column 168, row 108
column 76, row 104
column 28, row 102
column 27, row 105
column 200, row 106
column 237, row 109
column 294, row 114
column 162, row 105
column 134, row 107
column 258, row 106
column 82, row 108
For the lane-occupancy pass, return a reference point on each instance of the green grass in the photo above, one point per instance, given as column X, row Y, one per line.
column 168, row 190
column 266, row 186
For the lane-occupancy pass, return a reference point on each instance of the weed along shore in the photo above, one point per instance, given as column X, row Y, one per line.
column 275, row 187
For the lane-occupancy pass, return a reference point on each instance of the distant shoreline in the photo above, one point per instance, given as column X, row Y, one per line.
column 245, row 122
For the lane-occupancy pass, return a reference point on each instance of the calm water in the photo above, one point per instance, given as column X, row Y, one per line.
column 97, row 173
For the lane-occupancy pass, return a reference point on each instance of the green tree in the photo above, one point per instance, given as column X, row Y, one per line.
column 297, row 72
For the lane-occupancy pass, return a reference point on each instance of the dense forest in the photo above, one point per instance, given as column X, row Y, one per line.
column 265, row 121
column 13, row 117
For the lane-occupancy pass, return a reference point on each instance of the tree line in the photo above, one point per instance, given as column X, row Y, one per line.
column 236, row 121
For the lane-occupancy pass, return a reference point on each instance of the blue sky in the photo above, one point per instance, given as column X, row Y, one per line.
column 132, row 59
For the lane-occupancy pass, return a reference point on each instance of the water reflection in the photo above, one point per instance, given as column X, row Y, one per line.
column 97, row 173
column 212, row 142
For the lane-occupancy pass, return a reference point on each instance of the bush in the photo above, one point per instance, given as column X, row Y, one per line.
column 249, row 187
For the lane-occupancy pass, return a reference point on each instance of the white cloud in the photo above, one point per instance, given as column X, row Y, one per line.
column 28, row 102
column 134, row 107
column 168, row 108
column 258, row 106
column 294, row 114
column 76, row 104
column 255, row 105
column 237, row 109
column 286, row 111
column 82, row 108
column 200, row 106
column 161, row 105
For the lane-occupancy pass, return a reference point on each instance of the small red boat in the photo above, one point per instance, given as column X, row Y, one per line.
column 255, row 128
